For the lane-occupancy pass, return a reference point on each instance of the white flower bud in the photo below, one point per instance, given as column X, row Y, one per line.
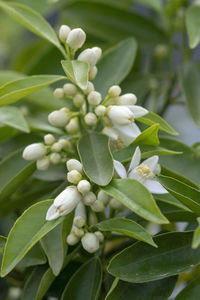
column 74, row 164
column 88, row 56
column 89, row 88
column 63, row 33
column 59, row 93
column 89, row 198
column 120, row 115
column 90, row 242
column 80, row 212
column 93, row 72
column 94, row 98
column 115, row 204
column 79, row 221
column 72, row 239
column 73, row 126
column 97, row 206
column 69, row 89
column 90, row 119
column 127, row 99
column 56, row 147
column 103, row 197
column 99, row 235
column 64, row 143
column 98, row 52
column 74, row 176
column 67, row 200
column 49, row 139
column 78, row 100
column 42, row 164
column 65, row 110
column 100, row 110
column 78, row 232
column 55, row 158
column 84, row 186
column 34, row 151
column 114, row 91
column 76, row 38
column 58, row 118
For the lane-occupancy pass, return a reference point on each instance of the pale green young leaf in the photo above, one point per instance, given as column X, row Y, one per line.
column 76, row 71
column 193, row 25
column 13, row 117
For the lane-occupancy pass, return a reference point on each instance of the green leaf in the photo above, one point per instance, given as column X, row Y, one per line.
column 193, row 25
column 20, row 88
column 13, row 117
column 129, row 192
column 55, row 246
column 88, row 278
column 189, row 76
column 152, row 118
column 76, row 71
column 14, row 171
column 44, row 284
column 96, row 157
column 186, row 194
column 7, row 132
column 34, row 257
column 148, row 137
column 175, row 214
column 29, row 228
column 196, row 236
column 39, row 124
column 142, row 263
column 191, row 291
column 114, row 66
column 169, row 199
column 31, row 20
column 126, row 227
column 155, row 289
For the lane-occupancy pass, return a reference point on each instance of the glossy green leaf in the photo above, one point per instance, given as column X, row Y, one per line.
column 31, row 20
column 2, row 243
column 34, row 257
column 44, row 284
column 39, row 124
column 148, row 137
column 196, row 236
column 193, row 25
column 76, row 71
column 189, row 77
column 152, row 118
column 12, row 116
column 96, row 157
column 126, row 227
column 14, row 171
column 89, row 278
column 176, row 214
column 20, row 88
column 29, row 228
column 55, row 246
column 191, row 291
column 186, row 194
column 155, row 289
column 141, row 263
column 114, row 66
column 129, row 192
column 169, row 199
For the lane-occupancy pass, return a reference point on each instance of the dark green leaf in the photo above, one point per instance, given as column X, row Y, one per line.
column 76, row 71
column 191, row 291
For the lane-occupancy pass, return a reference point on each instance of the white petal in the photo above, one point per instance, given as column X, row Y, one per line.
column 135, row 159
column 119, row 168
column 128, row 133
column 151, row 162
column 155, row 187
column 110, row 132
column 134, row 174
column 138, row 111
column 52, row 213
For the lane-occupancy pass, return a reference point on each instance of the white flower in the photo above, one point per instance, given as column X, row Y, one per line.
column 93, row 72
column 144, row 172
column 59, row 93
column 80, row 211
column 84, row 186
column 56, row 147
column 34, row 151
column 98, row 52
column 76, row 38
column 79, row 221
column 114, row 91
column 100, row 110
column 89, row 198
column 74, row 164
column 94, row 98
column 79, row 232
column 88, row 56
column 58, row 118
column 72, row 239
column 69, row 89
column 127, row 99
column 120, row 115
column 74, row 176
column 49, row 139
column 42, row 164
column 90, row 119
column 103, row 197
column 63, row 32
column 73, row 126
column 90, row 242
column 55, row 158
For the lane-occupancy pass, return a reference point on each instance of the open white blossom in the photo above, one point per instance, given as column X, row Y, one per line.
column 144, row 172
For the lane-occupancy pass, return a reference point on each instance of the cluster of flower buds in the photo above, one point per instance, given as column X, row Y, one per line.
column 73, row 38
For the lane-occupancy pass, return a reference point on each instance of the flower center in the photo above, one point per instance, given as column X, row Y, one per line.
column 144, row 171
column 117, row 144
column 131, row 119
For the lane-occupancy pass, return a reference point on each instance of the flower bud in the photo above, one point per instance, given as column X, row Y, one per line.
column 74, row 176
column 59, row 93
column 115, row 204
column 84, row 186
column 42, row 164
column 100, row 110
column 114, row 91
column 63, row 33
column 49, row 139
column 98, row 52
column 90, row 242
column 73, row 126
column 58, row 118
column 103, row 197
column 93, row 72
column 78, row 100
column 127, row 99
column 89, row 198
column 64, row 143
column 79, row 221
column 76, row 38
column 94, row 98
column 67, row 200
column 74, row 164
column 78, row 232
column 34, row 151
column 89, row 88
column 56, row 147
column 69, row 89
column 88, row 56
column 97, row 206
column 90, row 119
column 72, row 239
column 120, row 115
column 55, row 158
column 99, row 235
column 80, row 212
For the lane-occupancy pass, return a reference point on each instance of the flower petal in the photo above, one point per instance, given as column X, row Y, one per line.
column 151, row 162
column 155, row 187
column 135, row 159
column 52, row 213
column 110, row 132
column 138, row 111
column 128, row 133
column 134, row 174
column 119, row 168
